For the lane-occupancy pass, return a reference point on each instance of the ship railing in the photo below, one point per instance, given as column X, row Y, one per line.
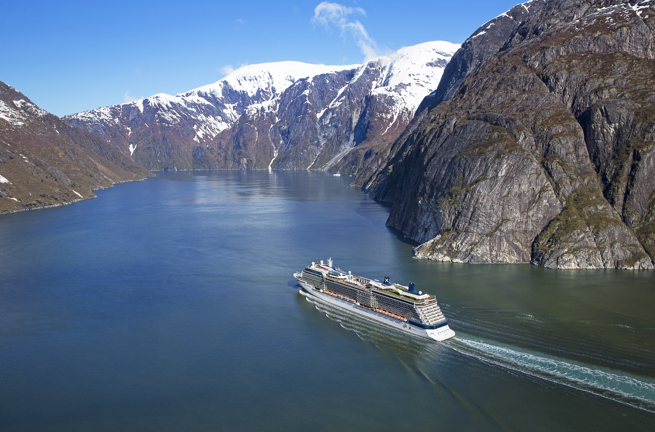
column 352, row 282
column 432, row 315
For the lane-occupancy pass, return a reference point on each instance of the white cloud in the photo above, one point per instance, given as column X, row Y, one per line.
column 127, row 97
column 227, row 69
column 327, row 13
column 334, row 14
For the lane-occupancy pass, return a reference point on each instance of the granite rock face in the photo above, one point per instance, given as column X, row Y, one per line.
column 538, row 144
column 284, row 115
column 46, row 162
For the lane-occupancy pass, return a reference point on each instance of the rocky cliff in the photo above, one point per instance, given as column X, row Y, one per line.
column 284, row 115
column 46, row 162
column 538, row 144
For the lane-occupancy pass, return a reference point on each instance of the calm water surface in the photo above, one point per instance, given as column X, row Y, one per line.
column 169, row 304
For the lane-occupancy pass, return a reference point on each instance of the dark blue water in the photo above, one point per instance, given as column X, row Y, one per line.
column 169, row 304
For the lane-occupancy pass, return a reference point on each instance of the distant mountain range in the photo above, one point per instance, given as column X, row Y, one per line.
column 46, row 162
column 285, row 115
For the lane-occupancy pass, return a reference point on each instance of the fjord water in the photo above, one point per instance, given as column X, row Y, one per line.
column 169, row 304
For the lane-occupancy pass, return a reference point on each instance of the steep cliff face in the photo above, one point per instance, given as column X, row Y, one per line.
column 279, row 115
column 538, row 144
column 45, row 162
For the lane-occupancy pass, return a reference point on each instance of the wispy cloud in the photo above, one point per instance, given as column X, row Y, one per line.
column 127, row 97
column 337, row 15
column 227, row 69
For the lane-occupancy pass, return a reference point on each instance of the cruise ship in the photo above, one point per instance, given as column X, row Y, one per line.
column 398, row 306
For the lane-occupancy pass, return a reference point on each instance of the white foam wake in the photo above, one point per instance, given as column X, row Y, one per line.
column 616, row 385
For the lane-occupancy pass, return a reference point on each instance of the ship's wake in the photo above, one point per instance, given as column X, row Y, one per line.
column 616, row 385
column 612, row 384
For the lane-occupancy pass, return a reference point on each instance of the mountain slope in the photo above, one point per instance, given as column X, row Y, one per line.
column 165, row 132
column 45, row 162
column 277, row 115
column 537, row 146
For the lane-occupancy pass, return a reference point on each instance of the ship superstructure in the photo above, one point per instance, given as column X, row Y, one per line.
column 390, row 303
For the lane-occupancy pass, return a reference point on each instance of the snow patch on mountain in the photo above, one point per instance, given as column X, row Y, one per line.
column 20, row 112
column 272, row 78
column 413, row 72
column 104, row 114
column 30, row 108
column 13, row 116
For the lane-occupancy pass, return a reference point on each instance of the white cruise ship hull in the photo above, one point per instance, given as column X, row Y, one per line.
column 439, row 334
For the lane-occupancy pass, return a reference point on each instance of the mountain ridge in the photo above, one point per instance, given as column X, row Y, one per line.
column 245, row 120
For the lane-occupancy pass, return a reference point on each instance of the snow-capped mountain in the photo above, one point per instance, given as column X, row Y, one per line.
column 275, row 115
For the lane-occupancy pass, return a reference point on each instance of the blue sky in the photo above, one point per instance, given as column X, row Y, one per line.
column 72, row 56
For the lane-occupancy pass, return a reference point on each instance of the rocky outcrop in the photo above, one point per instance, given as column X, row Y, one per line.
column 285, row 115
column 46, row 162
column 537, row 145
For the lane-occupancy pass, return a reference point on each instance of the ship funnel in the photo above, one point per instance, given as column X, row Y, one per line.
column 386, row 280
column 412, row 287
column 321, row 262
column 330, row 262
